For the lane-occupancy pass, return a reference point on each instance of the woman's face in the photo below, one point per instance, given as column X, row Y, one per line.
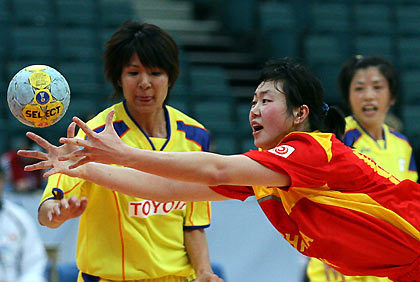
column 144, row 89
column 370, row 97
column 269, row 118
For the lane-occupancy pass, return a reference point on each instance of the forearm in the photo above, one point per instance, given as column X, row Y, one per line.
column 147, row 186
column 203, row 168
column 198, row 167
column 197, row 250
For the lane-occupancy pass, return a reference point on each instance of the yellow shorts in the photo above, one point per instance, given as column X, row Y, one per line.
column 317, row 272
column 170, row 278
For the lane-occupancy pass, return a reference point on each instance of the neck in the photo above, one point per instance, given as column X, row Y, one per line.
column 154, row 124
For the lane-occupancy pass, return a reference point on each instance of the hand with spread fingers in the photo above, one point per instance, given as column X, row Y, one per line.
column 50, row 159
column 105, row 147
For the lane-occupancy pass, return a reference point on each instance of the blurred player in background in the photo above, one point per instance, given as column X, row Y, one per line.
column 369, row 87
column 22, row 254
column 125, row 238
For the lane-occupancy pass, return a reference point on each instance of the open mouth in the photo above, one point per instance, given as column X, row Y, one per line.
column 257, row 128
column 369, row 109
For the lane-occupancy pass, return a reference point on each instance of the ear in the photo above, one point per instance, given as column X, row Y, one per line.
column 300, row 114
column 392, row 102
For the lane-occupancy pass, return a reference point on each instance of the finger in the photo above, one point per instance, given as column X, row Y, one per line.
column 80, row 162
column 73, row 155
column 89, row 132
column 38, row 166
column 327, row 275
column 71, row 130
column 39, row 140
column 64, row 203
column 73, row 141
column 109, row 119
column 33, row 154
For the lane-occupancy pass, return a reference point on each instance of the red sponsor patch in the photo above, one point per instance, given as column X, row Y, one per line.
column 282, row 150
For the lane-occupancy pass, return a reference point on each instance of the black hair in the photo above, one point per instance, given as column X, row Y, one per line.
column 302, row 87
column 352, row 65
column 154, row 46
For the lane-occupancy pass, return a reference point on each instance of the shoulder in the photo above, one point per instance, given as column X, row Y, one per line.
column 353, row 131
column 97, row 123
column 396, row 135
column 182, row 117
column 100, row 118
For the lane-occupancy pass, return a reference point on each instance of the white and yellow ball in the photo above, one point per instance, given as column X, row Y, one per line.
column 38, row 96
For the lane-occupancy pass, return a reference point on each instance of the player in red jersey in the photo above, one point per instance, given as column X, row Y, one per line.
column 327, row 201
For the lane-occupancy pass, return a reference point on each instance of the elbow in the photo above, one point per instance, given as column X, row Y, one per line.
column 218, row 177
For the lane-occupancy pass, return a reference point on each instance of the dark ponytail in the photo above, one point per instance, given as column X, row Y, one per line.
column 334, row 122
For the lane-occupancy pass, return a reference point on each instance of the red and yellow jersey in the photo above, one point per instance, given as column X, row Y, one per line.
column 395, row 154
column 127, row 238
column 341, row 207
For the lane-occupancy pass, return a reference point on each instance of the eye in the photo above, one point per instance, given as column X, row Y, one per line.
column 156, row 73
column 358, row 89
column 378, row 87
column 132, row 73
column 266, row 101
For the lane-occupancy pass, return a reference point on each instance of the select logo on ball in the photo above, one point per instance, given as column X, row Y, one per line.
column 42, row 116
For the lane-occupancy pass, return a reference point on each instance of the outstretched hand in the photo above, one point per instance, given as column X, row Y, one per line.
column 105, row 147
column 50, row 158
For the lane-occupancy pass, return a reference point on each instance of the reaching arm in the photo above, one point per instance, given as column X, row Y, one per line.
column 198, row 167
column 147, row 186
column 125, row 180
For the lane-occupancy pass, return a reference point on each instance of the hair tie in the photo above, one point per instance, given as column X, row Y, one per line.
column 325, row 108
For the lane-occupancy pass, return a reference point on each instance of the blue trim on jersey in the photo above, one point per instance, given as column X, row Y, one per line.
column 351, row 136
column 367, row 133
column 398, row 134
column 168, row 127
column 196, row 227
column 197, row 134
column 58, row 194
column 412, row 166
column 120, row 127
column 90, row 278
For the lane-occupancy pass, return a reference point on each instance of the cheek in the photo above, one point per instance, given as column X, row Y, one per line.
column 354, row 101
column 274, row 115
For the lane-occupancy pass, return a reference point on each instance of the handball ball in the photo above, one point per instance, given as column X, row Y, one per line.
column 38, row 96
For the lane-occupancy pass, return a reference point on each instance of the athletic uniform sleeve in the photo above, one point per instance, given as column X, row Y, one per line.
column 302, row 157
column 234, row 192
column 198, row 215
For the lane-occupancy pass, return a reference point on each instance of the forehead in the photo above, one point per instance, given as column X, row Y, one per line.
column 269, row 87
column 370, row 73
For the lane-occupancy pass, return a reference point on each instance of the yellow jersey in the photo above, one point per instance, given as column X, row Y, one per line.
column 127, row 238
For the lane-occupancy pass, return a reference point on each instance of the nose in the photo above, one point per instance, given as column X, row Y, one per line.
column 254, row 111
column 144, row 81
column 370, row 93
